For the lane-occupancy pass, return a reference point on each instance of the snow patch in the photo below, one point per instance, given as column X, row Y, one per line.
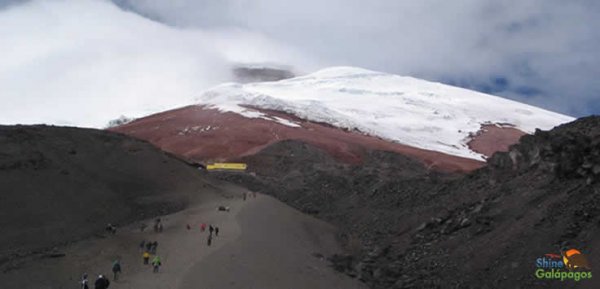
column 286, row 122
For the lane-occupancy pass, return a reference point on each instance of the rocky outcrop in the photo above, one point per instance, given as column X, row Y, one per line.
column 570, row 151
column 245, row 74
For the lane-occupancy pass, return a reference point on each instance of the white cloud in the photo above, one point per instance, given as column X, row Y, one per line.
column 85, row 62
column 550, row 45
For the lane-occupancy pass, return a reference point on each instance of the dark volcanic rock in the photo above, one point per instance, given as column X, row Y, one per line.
column 61, row 184
column 407, row 227
column 246, row 74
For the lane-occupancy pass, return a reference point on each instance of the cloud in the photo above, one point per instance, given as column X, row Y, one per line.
column 545, row 51
column 86, row 62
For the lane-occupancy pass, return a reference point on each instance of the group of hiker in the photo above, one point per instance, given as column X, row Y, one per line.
column 211, row 229
column 149, row 249
column 149, row 246
column 101, row 282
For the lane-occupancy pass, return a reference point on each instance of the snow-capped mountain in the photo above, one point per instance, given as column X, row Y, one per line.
column 414, row 112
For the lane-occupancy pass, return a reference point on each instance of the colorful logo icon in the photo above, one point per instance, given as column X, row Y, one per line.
column 574, row 260
column 571, row 264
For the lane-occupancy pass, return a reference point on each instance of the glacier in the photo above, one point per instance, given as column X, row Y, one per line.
column 407, row 110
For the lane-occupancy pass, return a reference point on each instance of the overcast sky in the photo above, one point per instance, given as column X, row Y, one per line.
column 162, row 53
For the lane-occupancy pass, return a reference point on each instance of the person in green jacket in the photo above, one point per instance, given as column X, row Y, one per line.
column 156, row 264
column 116, row 269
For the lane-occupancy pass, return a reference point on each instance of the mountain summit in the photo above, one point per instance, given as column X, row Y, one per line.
column 406, row 110
column 345, row 110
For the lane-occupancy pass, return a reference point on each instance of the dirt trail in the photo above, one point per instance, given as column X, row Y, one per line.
column 262, row 243
column 278, row 247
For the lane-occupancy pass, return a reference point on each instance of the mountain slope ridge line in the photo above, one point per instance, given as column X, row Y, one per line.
column 407, row 110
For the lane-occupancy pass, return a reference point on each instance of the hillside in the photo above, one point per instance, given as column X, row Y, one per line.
column 61, row 184
column 205, row 135
column 407, row 227
column 346, row 112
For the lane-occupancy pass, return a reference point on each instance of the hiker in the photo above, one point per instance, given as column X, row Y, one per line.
column 101, row 282
column 157, row 225
column 156, row 264
column 149, row 246
column 110, row 228
column 84, row 281
column 210, row 229
column 154, row 247
column 244, row 196
column 116, row 269
column 209, row 240
column 142, row 245
column 188, row 227
column 202, row 227
column 146, row 257
column 216, row 231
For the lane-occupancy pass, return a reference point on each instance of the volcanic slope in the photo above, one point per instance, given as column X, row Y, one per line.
column 408, row 227
column 200, row 134
column 61, row 184
column 346, row 111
